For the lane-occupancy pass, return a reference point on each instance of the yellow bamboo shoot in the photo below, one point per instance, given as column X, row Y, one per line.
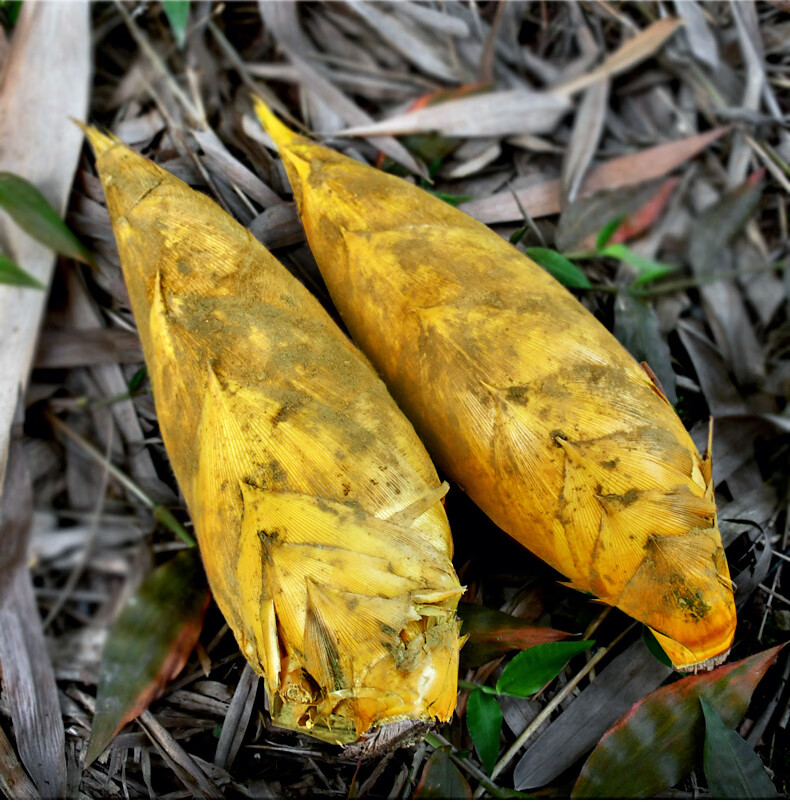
column 317, row 509
column 522, row 397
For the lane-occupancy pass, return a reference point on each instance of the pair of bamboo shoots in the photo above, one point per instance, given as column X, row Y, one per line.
column 317, row 508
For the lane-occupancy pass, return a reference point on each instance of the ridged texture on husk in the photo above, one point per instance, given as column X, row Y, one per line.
column 316, row 507
column 522, row 396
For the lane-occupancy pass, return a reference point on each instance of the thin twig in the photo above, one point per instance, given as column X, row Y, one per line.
column 162, row 514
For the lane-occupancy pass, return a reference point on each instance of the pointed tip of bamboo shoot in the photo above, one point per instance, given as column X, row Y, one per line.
column 282, row 135
column 100, row 142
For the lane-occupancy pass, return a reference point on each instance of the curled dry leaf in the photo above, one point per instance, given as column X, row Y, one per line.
column 527, row 401
column 316, row 507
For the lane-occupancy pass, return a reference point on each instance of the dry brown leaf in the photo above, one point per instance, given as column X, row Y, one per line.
column 424, row 53
column 640, row 47
column 281, row 19
column 28, row 678
column 508, row 111
column 544, row 199
column 584, row 140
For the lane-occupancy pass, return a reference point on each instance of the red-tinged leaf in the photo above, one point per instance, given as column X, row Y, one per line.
column 644, row 218
column 148, row 645
column 732, row 769
column 441, row 779
column 493, row 633
column 659, row 740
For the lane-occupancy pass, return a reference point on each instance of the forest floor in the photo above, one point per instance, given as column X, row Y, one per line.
column 671, row 117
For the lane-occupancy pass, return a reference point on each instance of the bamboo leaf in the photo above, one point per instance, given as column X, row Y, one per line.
column 11, row 273
column 148, row 645
column 660, row 738
column 648, row 269
column 177, row 12
column 492, row 633
column 484, row 719
column 607, row 232
column 441, row 779
column 530, row 670
column 32, row 212
column 732, row 768
column 559, row 266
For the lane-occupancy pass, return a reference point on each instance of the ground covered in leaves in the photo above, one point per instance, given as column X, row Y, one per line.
column 639, row 151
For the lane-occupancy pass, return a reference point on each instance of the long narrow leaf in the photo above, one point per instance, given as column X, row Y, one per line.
column 148, row 645
column 32, row 212
column 732, row 768
column 660, row 738
column 530, row 670
column 492, row 633
column 441, row 779
column 559, row 266
column 11, row 273
column 484, row 719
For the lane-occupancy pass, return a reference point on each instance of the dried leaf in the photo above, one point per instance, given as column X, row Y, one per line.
column 623, row 171
column 636, row 327
column 587, row 129
column 441, row 779
column 562, row 439
column 500, row 113
column 633, row 51
column 493, row 633
column 29, row 687
column 576, row 731
column 659, row 740
column 148, row 645
column 420, row 51
column 317, row 510
column 732, row 769
column 701, row 40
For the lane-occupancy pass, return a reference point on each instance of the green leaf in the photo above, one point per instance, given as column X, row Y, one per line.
column 607, row 232
column 31, row 212
column 732, row 768
column 484, row 719
column 530, row 670
column 12, row 273
column 648, row 269
column 441, row 779
column 518, row 235
column 148, row 645
column 453, row 200
column 136, row 381
column 559, row 266
column 177, row 12
column 654, row 647
column 493, row 633
column 658, row 741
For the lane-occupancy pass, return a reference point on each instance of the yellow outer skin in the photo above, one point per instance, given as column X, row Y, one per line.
column 522, row 397
column 317, row 509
